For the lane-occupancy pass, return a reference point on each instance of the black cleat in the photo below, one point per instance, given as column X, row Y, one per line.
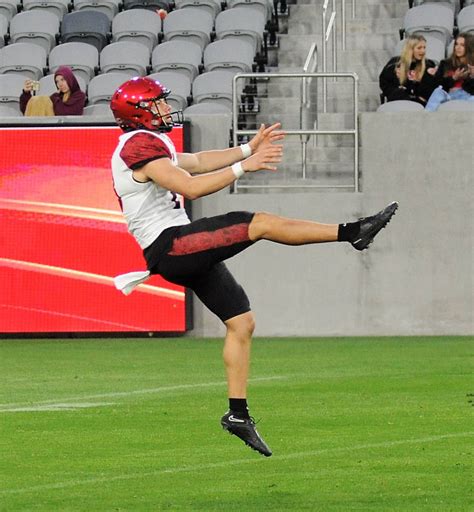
column 370, row 226
column 244, row 428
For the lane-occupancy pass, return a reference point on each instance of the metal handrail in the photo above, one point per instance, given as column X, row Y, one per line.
column 310, row 66
column 327, row 29
column 355, row 131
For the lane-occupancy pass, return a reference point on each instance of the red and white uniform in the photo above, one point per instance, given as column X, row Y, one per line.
column 148, row 208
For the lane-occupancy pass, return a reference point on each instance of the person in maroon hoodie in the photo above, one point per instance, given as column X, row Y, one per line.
column 69, row 100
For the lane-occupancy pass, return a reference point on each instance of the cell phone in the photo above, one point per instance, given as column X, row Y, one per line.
column 35, row 85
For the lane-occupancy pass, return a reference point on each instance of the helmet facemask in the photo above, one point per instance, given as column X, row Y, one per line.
column 162, row 123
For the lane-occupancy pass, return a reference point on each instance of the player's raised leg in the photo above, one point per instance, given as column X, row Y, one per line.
column 300, row 232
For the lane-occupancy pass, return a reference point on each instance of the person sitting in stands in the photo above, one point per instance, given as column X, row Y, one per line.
column 69, row 100
column 455, row 75
column 410, row 76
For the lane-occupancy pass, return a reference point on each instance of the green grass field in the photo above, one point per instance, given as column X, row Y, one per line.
column 378, row 424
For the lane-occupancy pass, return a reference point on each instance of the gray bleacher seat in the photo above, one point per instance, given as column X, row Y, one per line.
column 137, row 25
column 468, row 2
column 48, row 85
column 241, row 22
column 11, row 87
column 82, row 58
column 452, row 4
column 4, row 22
column 265, row 6
column 214, row 87
column 26, row 59
column 466, row 19
column 102, row 87
column 36, row 26
column 99, row 109
column 57, row 7
column 231, row 54
column 434, row 19
column 179, row 56
column 401, row 106
column 10, row 110
column 152, row 5
column 179, row 85
column 108, row 7
column 206, row 109
column 9, row 8
column 125, row 57
column 191, row 24
column 435, row 49
column 214, row 7
column 457, row 106
column 86, row 26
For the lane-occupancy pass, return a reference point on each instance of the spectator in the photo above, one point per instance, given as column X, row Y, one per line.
column 410, row 76
column 455, row 75
column 69, row 100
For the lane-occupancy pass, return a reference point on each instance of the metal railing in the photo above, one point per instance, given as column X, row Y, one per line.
column 304, row 131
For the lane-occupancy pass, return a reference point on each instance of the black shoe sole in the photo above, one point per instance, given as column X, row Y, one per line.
column 392, row 208
column 246, row 442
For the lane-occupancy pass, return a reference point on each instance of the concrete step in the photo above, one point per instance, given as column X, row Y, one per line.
column 381, row 9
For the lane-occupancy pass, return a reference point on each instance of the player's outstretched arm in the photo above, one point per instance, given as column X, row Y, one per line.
column 174, row 178
column 208, row 161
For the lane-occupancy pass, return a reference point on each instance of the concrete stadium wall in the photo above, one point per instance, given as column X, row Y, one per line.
column 417, row 278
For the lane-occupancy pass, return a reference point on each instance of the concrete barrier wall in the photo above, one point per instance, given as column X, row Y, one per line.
column 417, row 278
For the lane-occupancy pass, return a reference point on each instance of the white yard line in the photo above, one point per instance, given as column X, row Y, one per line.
column 227, row 463
column 117, row 394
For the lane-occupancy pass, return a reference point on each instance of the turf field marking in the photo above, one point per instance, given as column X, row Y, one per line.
column 117, row 394
column 227, row 463
column 57, row 407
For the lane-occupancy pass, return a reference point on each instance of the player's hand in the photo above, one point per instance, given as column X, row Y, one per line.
column 266, row 137
column 264, row 160
column 28, row 85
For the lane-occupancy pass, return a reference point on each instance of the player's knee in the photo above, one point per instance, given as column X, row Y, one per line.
column 260, row 225
column 243, row 325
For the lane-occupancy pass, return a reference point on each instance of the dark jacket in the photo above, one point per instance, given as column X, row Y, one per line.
column 444, row 77
column 411, row 90
column 74, row 106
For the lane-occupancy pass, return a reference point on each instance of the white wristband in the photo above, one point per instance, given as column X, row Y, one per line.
column 246, row 150
column 237, row 170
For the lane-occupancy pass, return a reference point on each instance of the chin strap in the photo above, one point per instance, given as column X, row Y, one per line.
column 127, row 282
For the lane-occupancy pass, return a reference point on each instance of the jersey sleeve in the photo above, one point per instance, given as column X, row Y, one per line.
column 143, row 148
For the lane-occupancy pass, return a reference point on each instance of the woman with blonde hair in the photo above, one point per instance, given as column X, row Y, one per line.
column 410, row 76
column 455, row 75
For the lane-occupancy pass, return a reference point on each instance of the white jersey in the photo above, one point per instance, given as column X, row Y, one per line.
column 148, row 208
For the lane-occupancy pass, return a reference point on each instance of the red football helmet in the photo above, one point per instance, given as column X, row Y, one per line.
column 132, row 105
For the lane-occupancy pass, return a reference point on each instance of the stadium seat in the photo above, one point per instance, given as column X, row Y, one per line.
column 23, row 59
column 452, row 4
column 401, row 106
column 264, row 6
column 434, row 19
column 57, row 7
column 137, row 25
column 231, row 54
column 214, row 87
column 179, row 56
column 214, row 7
column 180, row 86
column 243, row 23
column 10, row 110
column 125, row 57
column 152, row 5
column 48, row 85
column 108, row 7
column 9, row 8
column 86, row 27
column 206, row 108
column 3, row 30
column 466, row 19
column 11, row 87
column 191, row 24
column 82, row 58
column 102, row 87
column 435, row 49
column 99, row 109
column 457, row 106
column 36, row 26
